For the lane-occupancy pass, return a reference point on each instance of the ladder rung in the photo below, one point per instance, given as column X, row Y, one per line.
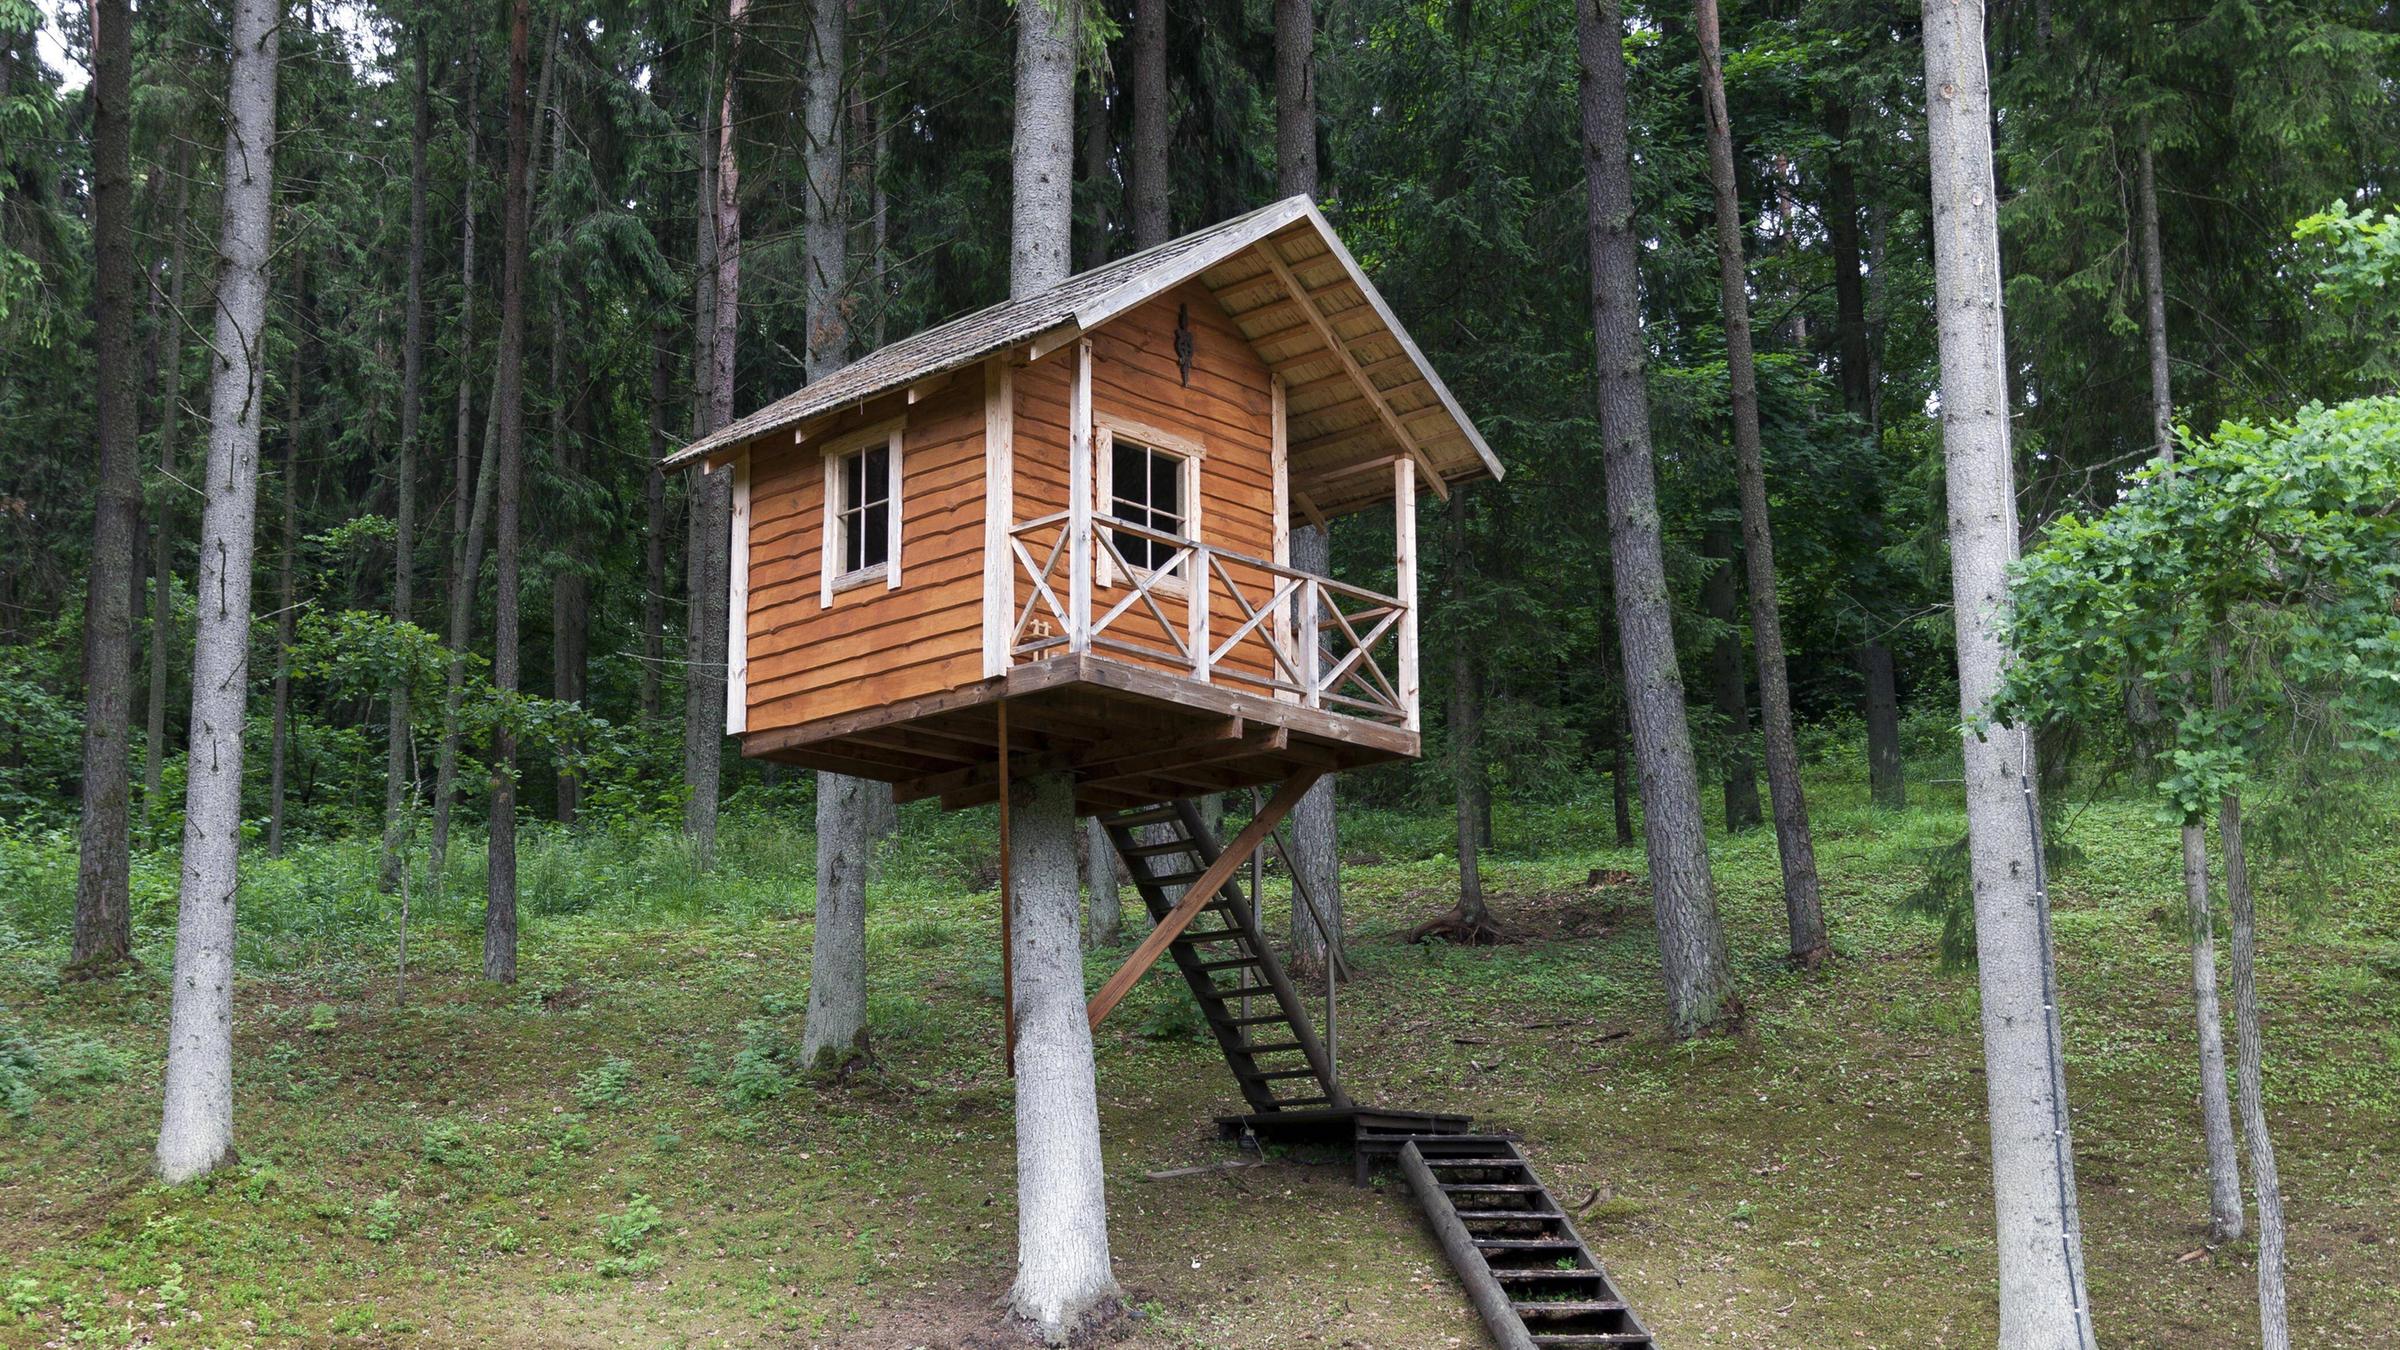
column 1537, row 1273
column 1567, row 1307
column 1179, row 844
column 1564, row 1339
column 1527, row 1214
column 1191, row 937
column 1229, row 964
column 1502, row 1160
column 1526, row 1244
column 1146, row 815
column 1503, row 1187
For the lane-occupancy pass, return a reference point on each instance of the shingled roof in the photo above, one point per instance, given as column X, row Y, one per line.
column 1375, row 393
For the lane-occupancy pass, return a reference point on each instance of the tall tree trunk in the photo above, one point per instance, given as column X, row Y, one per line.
column 1149, row 123
column 570, row 591
column 103, row 935
column 195, row 1133
column 467, row 495
column 508, row 392
column 1698, row 981
column 2266, row 1183
column 398, row 776
column 1470, row 785
column 1316, row 830
column 2042, row 1300
column 1095, row 172
column 1721, row 596
column 1063, row 1276
column 296, row 419
column 1804, row 907
column 1885, row 783
column 654, row 522
column 847, row 808
column 2216, row 1112
column 712, row 504
column 162, row 525
column 1043, row 145
column 1295, row 97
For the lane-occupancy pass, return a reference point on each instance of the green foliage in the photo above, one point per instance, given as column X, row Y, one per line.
column 609, row 1084
column 624, row 1234
column 761, row 1069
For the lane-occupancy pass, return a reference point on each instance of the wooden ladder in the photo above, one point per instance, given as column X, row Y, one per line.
column 1257, row 1017
column 1524, row 1265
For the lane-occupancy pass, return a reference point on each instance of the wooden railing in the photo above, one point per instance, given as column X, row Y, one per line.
column 1361, row 662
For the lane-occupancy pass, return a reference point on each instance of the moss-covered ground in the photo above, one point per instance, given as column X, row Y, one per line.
column 615, row 1151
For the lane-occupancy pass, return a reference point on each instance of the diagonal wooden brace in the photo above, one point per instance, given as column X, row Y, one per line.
column 1202, row 890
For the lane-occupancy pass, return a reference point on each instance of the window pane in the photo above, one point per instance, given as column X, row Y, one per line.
column 874, row 535
column 875, row 473
column 1129, row 477
column 1166, row 493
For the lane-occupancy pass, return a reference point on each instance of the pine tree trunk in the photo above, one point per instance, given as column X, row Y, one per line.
column 1721, row 596
column 1886, row 785
column 1095, row 174
column 1699, row 983
column 2042, row 1300
column 468, row 495
column 712, row 498
column 295, row 426
column 508, row 392
column 1042, row 215
column 397, row 774
column 2266, row 1183
column 1795, row 843
column 836, row 1031
column 162, row 525
column 103, row 933
column 1149, row 123
column 1063, row 1276
column 195, row 1133
column 825, row 230
column 1295, row 97
column 570, row 595
column 654, row 527
column 1107, row 914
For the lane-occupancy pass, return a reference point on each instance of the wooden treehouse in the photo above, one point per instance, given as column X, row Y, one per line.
column 1053, row 537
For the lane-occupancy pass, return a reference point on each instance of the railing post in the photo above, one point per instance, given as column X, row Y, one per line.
column 1404, row 531
column 1079, row 501
column 1312, row 643
column 1195, row 599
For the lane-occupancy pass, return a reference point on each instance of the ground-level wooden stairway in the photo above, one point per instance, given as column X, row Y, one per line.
column 1514, row 1247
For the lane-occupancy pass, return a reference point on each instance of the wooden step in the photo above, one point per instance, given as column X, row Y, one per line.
column 1504, row 1160
column 1531, row 1274
column 1233, row 963
column 1569, row 1307
column 1527, row 1214
column 1528, row 1244
column 1574, row 1338
column 1145, row 815
column 1273, row 1019
column 1494, row 1187
column 1178, row 844
column 1194, row 937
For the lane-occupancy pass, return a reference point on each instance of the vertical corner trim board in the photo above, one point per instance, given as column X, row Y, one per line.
column 999, row 511
column 1404, row 533
column 737, row 604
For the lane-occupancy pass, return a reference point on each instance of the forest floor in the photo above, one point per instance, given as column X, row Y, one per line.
column 612, row 1152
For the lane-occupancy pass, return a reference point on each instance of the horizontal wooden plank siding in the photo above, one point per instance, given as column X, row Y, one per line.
column 1226, row 407
column 875, row 645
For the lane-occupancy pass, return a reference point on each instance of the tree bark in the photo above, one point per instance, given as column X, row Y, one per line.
column 1795, row 843
column 103, row 930
column 836, row 1032
column 1699, row 983
column 508, row 391
column 2042, row 1299
column 1095, row 172
column 467, row 493
column 1042, row 214
column 1295, row 97
column 712, row 498
column 570, row 590
column 2216, row 1113
column 1149, row 175
column 2266, row 1183
column 1886, row 785
column 397, row 773
column 195, row 1133
column 825, row 229
column 654, row 531
column 1063, row 1275
column 1721, row 596
column 295, row 426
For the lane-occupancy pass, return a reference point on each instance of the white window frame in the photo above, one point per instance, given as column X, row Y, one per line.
column 1105, row 430
column 833, row 580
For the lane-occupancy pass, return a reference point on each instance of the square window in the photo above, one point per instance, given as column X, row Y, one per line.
column 863, row 518
column 1146, row 488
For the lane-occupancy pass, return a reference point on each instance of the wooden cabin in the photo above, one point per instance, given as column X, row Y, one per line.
column 1080, row 502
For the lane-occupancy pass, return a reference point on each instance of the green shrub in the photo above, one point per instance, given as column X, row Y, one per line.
column 611, row 1084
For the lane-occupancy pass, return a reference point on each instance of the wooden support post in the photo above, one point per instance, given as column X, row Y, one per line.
column 737, row 606
column 999, row 513
column 1079, row 501
column 1008, row 910
column 1202, row 890
column 1280, row 469
column 1197, row 587
column 1310, row 597
column 1404, row 530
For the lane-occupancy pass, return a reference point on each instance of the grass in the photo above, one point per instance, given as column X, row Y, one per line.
column 618, row 1149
